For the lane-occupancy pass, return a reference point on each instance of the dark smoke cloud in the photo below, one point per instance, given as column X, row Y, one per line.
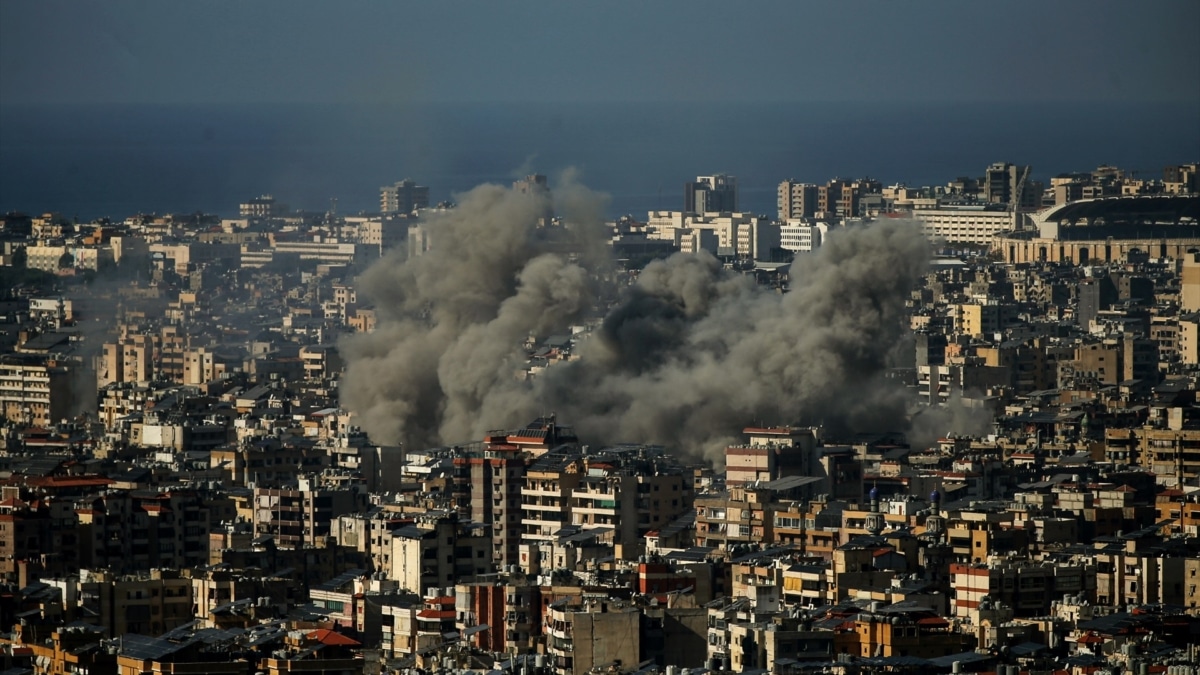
column 690, row 355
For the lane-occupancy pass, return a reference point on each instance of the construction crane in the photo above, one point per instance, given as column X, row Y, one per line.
column 1015, row 200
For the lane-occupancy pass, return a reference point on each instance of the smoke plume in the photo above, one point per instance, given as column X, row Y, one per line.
column 453, row 320
column 689, row 355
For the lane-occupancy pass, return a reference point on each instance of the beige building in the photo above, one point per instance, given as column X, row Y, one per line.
column 149, row 603
column 796, row 200
column 1132, row 577
column 631, row 502
column 44, row 257
column 403, row 197
column 546, row 495
column 969, row 225
column 36, row 390
column 130, row 360
column 1107, row 230
column 302, row 516
column 743, row 234
column 437, row 550
column 1189, row 281
column 1189, row 339
column 593, row 635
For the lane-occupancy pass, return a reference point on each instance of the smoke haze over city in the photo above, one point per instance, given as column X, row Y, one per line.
column 686, row 357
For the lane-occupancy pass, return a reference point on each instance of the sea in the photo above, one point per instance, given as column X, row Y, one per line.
column 90, row 161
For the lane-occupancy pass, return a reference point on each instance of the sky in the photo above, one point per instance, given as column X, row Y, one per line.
column 299, row 51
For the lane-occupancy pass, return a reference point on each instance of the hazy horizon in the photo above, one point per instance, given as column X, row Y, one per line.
column 111, row 108
column 114, row 160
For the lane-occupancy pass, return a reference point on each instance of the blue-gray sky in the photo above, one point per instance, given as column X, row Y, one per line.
column 396, row 52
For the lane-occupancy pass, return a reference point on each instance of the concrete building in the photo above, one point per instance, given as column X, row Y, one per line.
column 437, row 550
column 546, row 495
column 509, row 605
column 487, row 489
column 593, row 635
column 130, row 360
column 302, row 516
column 403, row 197
column 801, row 237
column 718, row 193
column 796, row 200
column 1108, row 230
column 967, row 224
column 147, row 603
column 770, row 453
column 46, row 257
column 1001, row 181
column 129, row 531
column 37, row 538
column 37, row 390
column 632, row 498
column 737, row 234
column 1027, row 587
column 1189, row 282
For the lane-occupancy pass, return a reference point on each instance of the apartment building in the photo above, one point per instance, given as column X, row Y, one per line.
column 796, row 200
column 772, row 452
column 967, row 224
column 631, row 490
column 37, row 390
column 302, row 516
column 592, row 634
column 546, row 495
column 436, row 550
column 147, row 603
column 1026, row 586
column 509, row 605
column 711, row 194
column 138, row 530
column 37, row 537
column 403, row 197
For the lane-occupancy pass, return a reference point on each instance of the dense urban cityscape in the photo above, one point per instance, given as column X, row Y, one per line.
column 947, row 429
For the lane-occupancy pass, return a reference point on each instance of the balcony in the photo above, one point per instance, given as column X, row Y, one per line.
column 585, row 510
column 532, row 492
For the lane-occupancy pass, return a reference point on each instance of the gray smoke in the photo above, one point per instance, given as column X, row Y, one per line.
column 690, row 355
column 452, row 321
column 957, row 417
column 695, row 353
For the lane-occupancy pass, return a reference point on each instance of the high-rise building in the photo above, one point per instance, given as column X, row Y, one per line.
column 829, row 196
column 711, row 194
column 1000, row 183
column 796, row 200
column 403, row 197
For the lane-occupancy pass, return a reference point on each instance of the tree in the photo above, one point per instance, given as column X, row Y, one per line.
column 66, row 260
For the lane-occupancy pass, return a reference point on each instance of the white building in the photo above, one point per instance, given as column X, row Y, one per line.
column 800, row 237
column 742, row 234
column 965, row 224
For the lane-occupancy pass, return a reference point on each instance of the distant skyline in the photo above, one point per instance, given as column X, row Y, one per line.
column 226, row 53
